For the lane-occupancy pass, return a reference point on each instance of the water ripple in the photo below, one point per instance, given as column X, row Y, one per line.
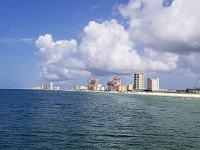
column 57, row 120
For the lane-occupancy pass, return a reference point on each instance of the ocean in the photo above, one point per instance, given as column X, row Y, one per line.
column 60, row 120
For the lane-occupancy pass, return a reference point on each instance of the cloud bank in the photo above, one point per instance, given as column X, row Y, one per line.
column 168, row 29
column 169, row 37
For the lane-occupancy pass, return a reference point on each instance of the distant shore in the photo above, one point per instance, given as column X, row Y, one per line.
column 189, row 95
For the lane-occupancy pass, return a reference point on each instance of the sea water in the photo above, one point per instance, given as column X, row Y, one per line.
column 58, row 120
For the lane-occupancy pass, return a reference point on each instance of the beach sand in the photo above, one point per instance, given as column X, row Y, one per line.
column 168, row 94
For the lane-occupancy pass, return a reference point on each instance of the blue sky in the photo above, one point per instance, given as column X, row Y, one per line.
column 27, row 20
column 22, row 61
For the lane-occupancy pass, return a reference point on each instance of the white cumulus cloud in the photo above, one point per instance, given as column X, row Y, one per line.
column 59, row 60
column 169, row 29
column 157, row 38
column 107, row 48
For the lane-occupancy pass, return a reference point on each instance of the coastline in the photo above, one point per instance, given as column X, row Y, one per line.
column 186, row 95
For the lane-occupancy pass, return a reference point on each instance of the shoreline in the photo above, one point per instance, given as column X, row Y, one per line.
column 186, row 95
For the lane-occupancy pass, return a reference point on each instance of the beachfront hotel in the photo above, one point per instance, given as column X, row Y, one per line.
column 153, row 84
column 139, row 81
column 118, row 83
column 110, row 85
column 93, row 84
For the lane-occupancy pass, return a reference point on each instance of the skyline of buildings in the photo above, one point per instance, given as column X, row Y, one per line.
column 116, row 84
column 47, row 86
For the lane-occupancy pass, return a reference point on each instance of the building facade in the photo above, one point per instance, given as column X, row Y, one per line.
column 139, row 81
column 118, row 83
column 51, row 85
column 130, row 87
column 93, row 85
column 124, row 88
column 110, row 86
column 153, row 84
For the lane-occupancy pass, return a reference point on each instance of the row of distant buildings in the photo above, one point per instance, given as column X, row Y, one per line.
column 47, row 86
column 116, row 84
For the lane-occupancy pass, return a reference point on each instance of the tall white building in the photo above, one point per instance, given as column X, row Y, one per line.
column 51, row 85
column 153, row 84
column 139, row 81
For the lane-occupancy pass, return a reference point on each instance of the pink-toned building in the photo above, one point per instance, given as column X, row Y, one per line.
column 118, row 83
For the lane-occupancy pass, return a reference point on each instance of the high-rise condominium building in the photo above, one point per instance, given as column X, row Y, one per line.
column 93, row 85
column 153, row 84
column 110, row 86
column 118, row 83
column 139, row 81
column 51, row 85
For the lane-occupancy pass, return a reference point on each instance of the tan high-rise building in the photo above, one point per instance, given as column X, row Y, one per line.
column 118, row 83
column 93, row 85
column 139, row 81
column 153, row 84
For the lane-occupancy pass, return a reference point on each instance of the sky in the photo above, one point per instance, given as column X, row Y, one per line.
column 68, row 42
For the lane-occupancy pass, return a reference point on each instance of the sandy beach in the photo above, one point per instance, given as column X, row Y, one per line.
column 187, row 95
column 168, row 94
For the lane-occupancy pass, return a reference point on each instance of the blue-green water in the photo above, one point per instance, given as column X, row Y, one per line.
column 56, row 120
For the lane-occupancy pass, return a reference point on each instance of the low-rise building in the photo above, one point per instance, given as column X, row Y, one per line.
column 83, row 88
column 76, row 88
column 130, row 87
column 102, row 88
column 124, row 88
